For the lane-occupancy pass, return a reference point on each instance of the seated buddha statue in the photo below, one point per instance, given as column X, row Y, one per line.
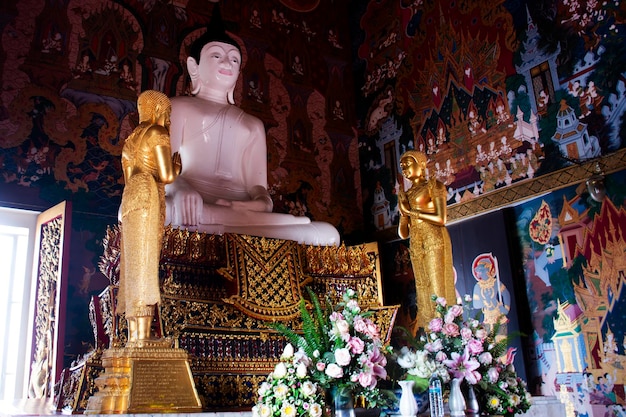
column 222, row 187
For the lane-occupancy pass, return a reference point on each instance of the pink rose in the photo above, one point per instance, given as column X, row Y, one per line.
column 456, row 310
column 435, row 325
column 441, row 356
column 466, row 333
column 475, row 346
column 451, row 329
column 359, row 324
column 367, row 380
column 356, row 345
column 320, row 366
column 372, row 329
column 441, row 301
column 481, row 334
column 334, row 371
column 493, row 375
column 342, row 356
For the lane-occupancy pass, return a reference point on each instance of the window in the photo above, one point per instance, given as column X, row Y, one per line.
column 17, row 234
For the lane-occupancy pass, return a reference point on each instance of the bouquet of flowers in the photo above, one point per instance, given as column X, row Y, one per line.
column 289, row 391
column 344, row 346
column 456, row 346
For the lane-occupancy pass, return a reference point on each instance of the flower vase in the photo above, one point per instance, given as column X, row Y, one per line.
column 342, row 402
column 456, row 401
column 408, row 404
column 471, row 407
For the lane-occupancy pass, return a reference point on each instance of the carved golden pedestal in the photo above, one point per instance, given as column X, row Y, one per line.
column 218, row 294
column 147, row 377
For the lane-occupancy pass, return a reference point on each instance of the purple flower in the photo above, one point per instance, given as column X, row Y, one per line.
column 462, row 366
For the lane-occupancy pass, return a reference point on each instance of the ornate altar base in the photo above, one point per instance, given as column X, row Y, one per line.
column 218, row 294
column 144, row 379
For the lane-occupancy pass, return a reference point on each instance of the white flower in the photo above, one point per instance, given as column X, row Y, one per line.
column 315, row 410
column 288, row 410
column 423, row 367
column 407, row 360
column 343, row 328
column 280, row 370
column 342, row 356
column 349, row 294
column 301, row 371
column 308, row 388
column 334, row 371
column 353, row 306
column 261, row 410
column 485, row 358
column 264, row 388
column 287, row 352
column 281, row 391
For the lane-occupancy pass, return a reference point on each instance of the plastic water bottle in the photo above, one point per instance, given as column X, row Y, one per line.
column 435, row 396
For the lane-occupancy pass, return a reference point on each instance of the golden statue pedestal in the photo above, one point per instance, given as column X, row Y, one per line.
column 146, row 376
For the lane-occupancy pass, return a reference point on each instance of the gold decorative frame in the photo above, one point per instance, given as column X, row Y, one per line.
column 523, row 190
column 49, row 300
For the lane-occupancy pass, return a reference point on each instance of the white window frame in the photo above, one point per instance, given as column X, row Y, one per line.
column 21, row 342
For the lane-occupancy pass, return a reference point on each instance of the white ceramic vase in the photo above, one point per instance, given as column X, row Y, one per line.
column 456, row 402
column 408, row 404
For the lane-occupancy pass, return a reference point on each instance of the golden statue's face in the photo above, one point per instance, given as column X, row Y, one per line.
column 411, row 168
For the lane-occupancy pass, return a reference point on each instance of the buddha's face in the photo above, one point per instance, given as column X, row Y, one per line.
column 219, row 65
column 411, row 168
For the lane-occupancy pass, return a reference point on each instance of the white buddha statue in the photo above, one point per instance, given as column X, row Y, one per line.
column 223, row 183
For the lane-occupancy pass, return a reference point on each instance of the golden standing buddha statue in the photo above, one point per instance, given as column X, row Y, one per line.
column 423, row 214
column 148, row 165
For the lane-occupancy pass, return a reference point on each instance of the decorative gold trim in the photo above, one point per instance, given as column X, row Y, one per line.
column 523, row 190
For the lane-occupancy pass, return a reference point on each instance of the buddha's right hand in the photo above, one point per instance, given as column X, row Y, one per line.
column 188, row 208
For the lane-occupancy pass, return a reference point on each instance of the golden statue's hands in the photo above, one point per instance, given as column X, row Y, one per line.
column 177, row 163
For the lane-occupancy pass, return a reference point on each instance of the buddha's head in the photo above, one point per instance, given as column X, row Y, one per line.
column 214, row 60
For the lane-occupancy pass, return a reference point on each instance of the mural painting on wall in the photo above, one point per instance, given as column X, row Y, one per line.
column 494, row 93
column 574, row 260
column 70, row 89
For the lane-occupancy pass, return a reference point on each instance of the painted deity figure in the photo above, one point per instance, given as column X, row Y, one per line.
column 223, row 183
column 423, row 215
column 148, row 165
column 490, row 295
